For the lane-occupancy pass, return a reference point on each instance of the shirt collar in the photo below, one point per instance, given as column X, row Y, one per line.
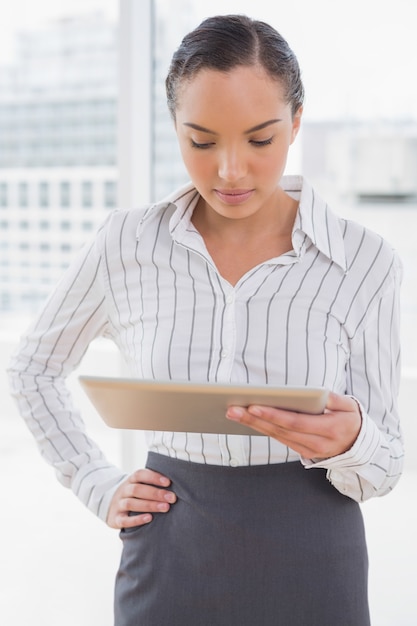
column 181, row 203
column 315, row 223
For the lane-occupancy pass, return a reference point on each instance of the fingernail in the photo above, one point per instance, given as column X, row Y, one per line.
column 170, row 497
column 234, row 413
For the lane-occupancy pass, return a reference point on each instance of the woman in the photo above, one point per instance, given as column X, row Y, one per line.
column 243, row 276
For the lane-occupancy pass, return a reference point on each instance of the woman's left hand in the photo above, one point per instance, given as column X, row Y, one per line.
column 312, row 436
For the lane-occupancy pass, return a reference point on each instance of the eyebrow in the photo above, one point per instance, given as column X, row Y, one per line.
column 247, row 132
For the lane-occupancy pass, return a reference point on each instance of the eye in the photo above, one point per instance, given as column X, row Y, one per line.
column 200, row 146
column 264, row 142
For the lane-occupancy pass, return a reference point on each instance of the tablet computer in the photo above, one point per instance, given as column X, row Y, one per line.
column 190, row 407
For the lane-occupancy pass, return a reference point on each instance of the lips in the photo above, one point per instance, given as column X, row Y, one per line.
column 234, row 196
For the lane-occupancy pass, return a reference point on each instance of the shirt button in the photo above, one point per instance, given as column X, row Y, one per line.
column 229, row 299
column 224, row 354
column 233, row 463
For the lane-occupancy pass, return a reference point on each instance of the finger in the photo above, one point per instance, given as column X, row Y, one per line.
column 320, row 436
column 336, row 402
column 144, row 502
column 143, row 491
column 149, row 477
column 143, row 506
column 145, row 484
column 324, row 434
column 306, row 434
column 307, row 445
column 135, row 511
column 271, row 420
column 123, row 520
column 256, row 419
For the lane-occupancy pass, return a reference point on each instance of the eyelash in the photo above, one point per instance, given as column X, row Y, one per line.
column 200, row 146
column 265, row 142
column 257, row 144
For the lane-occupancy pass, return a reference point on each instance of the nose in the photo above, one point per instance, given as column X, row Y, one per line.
column 232, row 165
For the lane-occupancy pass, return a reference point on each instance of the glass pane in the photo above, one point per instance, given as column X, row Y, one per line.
column 58, row 129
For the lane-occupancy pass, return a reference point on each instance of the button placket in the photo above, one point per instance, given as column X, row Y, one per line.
column 228, row 338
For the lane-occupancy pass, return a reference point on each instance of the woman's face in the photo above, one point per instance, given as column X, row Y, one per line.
column 234, row 131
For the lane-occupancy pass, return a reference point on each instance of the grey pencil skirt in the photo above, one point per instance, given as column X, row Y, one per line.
column 269, row 545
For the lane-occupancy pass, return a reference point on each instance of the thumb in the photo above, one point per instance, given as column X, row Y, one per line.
column 337, row 402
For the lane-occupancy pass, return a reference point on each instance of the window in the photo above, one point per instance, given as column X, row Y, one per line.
column 87, row 194
column 44, row 194
column 4, row 193
column 5, row 301
column 110, row 194
column 65, row 194
column 23, row 194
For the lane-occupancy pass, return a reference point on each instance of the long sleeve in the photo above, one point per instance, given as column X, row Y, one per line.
column 73, row 316
column 374, row 464
column 322, row 314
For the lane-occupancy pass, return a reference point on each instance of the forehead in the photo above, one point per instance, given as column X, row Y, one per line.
column 244, row 90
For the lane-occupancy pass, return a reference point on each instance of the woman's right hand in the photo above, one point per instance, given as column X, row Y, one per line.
column 142, row 492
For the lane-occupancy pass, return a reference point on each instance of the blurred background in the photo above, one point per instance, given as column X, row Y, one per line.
column 84, row 128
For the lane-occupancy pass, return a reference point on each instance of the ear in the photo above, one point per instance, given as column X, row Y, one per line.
column 296, row 123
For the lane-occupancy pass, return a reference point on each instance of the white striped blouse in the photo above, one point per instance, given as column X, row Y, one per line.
column 326, row 313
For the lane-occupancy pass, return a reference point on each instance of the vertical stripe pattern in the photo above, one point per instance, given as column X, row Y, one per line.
column 326, row 313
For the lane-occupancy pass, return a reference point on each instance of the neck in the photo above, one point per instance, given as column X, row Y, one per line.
column 275, row 220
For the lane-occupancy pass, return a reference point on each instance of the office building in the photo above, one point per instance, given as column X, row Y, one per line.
column 58, row 147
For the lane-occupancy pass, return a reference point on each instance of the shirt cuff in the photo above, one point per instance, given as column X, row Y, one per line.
column 95, row 484
column 361, row 457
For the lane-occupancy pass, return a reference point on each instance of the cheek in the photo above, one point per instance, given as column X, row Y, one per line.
column 273, row 166
column 198, row 166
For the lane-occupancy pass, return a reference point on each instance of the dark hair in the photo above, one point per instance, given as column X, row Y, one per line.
column 226, row 41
